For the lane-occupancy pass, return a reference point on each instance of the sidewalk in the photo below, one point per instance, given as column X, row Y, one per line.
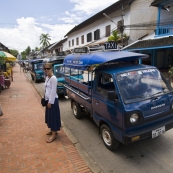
column 23, row 147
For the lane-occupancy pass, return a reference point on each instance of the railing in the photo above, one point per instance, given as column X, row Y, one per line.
column 164, row 30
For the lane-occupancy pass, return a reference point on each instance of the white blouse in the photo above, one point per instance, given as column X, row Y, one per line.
column 50, row 89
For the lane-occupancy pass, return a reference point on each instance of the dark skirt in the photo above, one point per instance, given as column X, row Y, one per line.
column 52, row 116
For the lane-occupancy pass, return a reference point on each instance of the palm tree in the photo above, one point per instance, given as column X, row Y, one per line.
column 44, row 40
column 114, row 37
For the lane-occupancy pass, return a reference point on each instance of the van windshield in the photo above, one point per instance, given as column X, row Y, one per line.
column 58, row 70
column 38, row 66
column 142, row 84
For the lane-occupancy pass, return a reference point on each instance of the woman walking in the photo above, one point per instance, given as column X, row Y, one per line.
column 52, row 113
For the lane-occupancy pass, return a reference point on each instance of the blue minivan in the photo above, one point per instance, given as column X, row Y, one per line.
column 128, row 101
column 57, row 62
column 36, row 69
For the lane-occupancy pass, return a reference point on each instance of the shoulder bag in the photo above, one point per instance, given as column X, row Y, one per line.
column 43, row 101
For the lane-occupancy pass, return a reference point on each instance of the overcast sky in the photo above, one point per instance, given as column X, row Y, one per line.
column 23, row 21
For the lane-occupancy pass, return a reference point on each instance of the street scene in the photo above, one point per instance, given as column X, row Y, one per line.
column 86, row 87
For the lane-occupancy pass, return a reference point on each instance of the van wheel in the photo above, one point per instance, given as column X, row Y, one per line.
column 110, row 142
column 76, row 110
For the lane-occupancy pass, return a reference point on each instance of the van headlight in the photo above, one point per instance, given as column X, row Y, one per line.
column 134, row 118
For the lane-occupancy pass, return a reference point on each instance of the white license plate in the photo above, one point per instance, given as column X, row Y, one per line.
column 158, row 132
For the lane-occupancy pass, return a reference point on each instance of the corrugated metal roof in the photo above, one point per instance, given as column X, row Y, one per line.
column 152, row 43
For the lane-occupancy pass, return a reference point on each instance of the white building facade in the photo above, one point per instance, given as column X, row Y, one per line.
column 97, row 28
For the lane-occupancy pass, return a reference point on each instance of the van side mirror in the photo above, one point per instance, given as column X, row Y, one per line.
column 112, row 96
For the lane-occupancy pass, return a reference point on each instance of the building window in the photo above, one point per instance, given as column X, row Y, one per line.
column 82, row 39
column 119, row 26
column 89, row 37
column 108, row 31
column 69, row 43
column 73, row 42
column 77, row 41
column 97, row 34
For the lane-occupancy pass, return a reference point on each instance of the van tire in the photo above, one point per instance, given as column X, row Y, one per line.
column 76, row 110
column 110, row 142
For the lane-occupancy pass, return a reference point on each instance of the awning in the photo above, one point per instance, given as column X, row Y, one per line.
column 159, row 43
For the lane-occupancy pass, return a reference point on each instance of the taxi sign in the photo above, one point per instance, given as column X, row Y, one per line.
column 110, row 45
column 81, row 50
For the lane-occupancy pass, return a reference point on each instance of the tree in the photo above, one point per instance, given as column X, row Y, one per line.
column 23, row 55
column 2, row 60
column 28, row 50
column 114, row 37
column 14, row 52
column 36, row 49
column 44, row 40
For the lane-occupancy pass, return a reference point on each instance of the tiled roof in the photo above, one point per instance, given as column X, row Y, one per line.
column 59, row 43
column 152, row 43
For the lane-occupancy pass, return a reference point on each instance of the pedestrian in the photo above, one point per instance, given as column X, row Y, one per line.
column 52, row 112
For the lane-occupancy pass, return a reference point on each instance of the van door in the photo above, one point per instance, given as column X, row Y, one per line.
column 102, row 106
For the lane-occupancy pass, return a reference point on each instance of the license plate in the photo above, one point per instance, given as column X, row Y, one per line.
column 158, row 132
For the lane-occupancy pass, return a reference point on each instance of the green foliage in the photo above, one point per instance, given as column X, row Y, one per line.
column 28, row 50
column 36, row 49
column 114, row 37
column 2, row 59
column 170, row 71
column 14, row 52
column 44, row 40
column 23, row 55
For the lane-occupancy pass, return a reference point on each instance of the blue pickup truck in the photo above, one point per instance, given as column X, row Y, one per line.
column 128, row 101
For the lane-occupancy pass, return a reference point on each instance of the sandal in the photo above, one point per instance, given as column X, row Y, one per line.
column 50, row 140
column 50, row 133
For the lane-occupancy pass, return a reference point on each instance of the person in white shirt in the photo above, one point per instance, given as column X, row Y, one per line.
column 52, row 112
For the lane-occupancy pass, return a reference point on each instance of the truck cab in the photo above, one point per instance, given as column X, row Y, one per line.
column 128, row 101
column 36, row 70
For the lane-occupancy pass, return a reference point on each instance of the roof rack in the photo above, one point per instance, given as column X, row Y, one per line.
column 108, row 46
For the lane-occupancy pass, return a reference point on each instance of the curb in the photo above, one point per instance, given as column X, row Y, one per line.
column 88, row 159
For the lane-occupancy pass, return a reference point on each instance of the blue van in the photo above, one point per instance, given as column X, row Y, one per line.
column 57, row 62
column 128, row 101
column 36, row 69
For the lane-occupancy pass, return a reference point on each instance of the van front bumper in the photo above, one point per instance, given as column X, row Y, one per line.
column 147, row 132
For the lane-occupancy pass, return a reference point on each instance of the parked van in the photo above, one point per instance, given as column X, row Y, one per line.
column 128, row 101
column 36, row 70
column 57, row 62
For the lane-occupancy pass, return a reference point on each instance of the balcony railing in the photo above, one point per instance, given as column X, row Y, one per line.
column 164, row 30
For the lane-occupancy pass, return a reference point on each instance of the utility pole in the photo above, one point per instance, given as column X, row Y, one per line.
column 122, row 26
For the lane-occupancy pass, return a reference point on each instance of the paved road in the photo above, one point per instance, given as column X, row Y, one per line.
column 151, row 155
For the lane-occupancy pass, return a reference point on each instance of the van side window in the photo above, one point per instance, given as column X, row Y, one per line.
column 105, row 83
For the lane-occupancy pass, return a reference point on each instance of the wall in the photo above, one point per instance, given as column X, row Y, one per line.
column 141, row 12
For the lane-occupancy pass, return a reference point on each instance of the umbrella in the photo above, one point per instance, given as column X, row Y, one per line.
column 8, row 56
